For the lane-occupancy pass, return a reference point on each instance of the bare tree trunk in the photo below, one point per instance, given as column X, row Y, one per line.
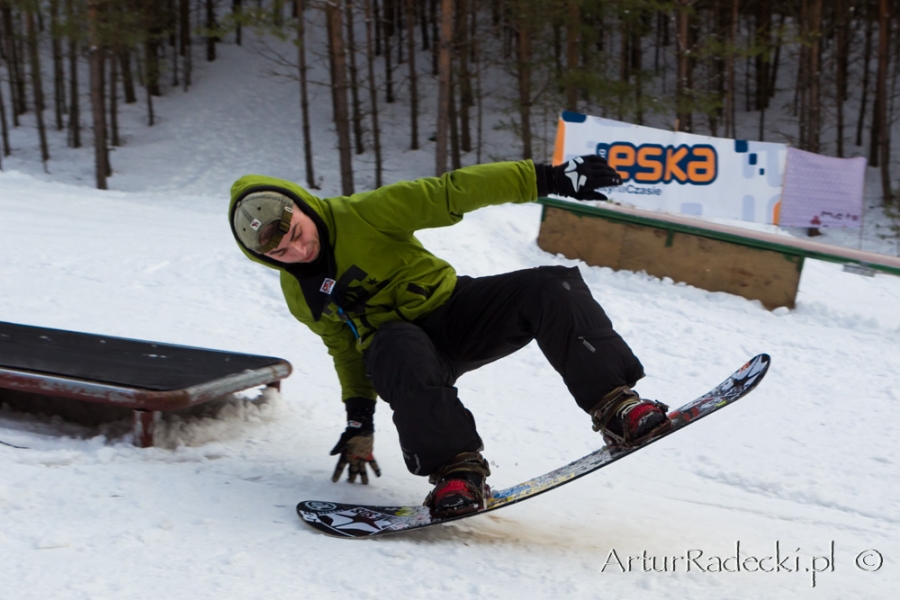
column 556, row 44
column 882, row 132
column 455, row 159
column 37, row 85
column 210, row 26
column 889, row 117
column 623, row 66
column 354, row 80
column 151, row 115
column 815, row 55
column 730, row 99
column 304, row 94
column 387, row 28
column 413, row 76
column 237, row 10
column 184, row 47
column 21, row 41
column 338, row 56
column 435, row 36
column 879, row 108
column 379, row 29
column 443, row 117
column 776, row 58
column 399, row 27
column 867, row 55
column 373, row 93
column 661, row 23
column 573, row 23
column 476, row 58
column 717, row 67
column 636, row 66
column 465, row 78
column 14, row 65
column 524, row 64
column 96, row 63
column 113, row 100
column 127, row 76
column 748, row 103
column 682, row 88
column 763, row 65
column 151, row 49
column 4, row 127
column 74, row 133
column 841, row 58
column 589, row 51
column 59, row 76
column 423, row 27
column 508, row 34
column 801, row 92
column 761, row 41
column 172, row 26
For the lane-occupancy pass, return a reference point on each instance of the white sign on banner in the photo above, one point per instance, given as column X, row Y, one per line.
column 822, row 191
column 680, row 173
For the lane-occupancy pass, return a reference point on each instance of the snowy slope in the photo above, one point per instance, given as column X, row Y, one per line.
column 807, row 460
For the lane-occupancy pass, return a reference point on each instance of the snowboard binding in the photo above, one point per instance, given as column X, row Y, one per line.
column 459, row 486
column 626, row 420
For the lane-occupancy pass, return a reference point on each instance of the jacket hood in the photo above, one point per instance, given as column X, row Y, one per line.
column 311, row 276
column 311, row 205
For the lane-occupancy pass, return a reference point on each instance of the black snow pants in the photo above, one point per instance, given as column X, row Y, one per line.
column 414, row 366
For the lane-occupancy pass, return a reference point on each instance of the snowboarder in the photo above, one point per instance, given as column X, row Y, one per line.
column 399, row 322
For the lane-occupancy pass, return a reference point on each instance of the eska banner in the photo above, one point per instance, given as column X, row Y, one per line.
column 680, row 172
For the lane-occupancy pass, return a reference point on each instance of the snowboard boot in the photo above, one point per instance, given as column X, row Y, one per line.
column 459, row 486
column 626, row 420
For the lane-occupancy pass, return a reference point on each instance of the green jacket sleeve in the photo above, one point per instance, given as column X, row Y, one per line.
column 408, row 206
column 348, row 361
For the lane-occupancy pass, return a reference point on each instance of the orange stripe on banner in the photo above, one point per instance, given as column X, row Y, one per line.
column 776, row 213
column 558, row 152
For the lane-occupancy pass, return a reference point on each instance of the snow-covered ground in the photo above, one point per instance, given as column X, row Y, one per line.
column 803, row 470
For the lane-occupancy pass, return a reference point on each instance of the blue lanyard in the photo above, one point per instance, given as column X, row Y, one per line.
column 327, row 288
column 347, row 320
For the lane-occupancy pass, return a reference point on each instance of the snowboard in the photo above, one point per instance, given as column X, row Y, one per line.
column 360, row 521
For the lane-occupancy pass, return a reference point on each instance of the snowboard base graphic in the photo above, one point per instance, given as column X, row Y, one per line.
column 359, row 521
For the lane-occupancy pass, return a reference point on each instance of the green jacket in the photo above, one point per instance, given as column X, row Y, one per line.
column 371, row 262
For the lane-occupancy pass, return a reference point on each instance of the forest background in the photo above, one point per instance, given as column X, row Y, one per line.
column 824, row 74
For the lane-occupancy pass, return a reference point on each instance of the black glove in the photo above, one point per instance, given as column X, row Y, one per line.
column 355, row 445
column 578, row 178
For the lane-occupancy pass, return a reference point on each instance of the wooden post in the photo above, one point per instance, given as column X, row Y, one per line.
column 144, row 427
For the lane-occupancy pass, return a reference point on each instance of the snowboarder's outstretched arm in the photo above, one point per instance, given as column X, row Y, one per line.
column 409, row 206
